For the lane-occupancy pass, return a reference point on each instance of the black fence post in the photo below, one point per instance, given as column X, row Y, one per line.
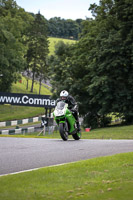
column 49, row 112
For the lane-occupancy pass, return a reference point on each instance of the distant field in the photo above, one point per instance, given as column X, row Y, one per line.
column 53, row 41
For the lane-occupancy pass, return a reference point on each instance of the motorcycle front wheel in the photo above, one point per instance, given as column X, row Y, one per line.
column 63, row 132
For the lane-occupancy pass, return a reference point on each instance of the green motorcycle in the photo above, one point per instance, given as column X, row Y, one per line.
column 66, row 121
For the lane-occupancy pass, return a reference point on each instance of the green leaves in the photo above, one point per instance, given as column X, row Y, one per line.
column 62, row 28
column 12, row 27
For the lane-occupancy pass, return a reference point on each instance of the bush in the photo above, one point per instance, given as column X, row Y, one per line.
column 96, row 121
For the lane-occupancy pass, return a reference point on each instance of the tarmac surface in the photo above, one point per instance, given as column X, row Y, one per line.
column 20, row 154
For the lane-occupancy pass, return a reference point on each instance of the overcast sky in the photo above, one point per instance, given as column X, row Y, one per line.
column 67, row 9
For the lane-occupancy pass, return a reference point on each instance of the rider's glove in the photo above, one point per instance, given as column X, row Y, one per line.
column 74, row 108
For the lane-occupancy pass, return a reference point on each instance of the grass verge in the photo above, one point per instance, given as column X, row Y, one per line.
column 109, row 178
column 120, row 132
column 9, row 112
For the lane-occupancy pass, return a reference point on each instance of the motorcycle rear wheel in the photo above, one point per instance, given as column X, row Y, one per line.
column 63, row 132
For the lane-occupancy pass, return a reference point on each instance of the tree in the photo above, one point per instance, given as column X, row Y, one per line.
column 11, row 45
column 100, row 68
column 58, row 68
column 110, row 59
column 37, row 47
column 113, row 67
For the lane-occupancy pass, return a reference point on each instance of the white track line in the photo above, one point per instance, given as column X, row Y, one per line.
column 29, row 170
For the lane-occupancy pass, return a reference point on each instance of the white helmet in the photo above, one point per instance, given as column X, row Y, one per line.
column 64, row 94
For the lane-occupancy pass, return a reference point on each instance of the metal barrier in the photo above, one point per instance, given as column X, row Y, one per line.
column 47, row 123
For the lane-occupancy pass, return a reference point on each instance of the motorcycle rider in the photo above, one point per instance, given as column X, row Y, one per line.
column 72, row 105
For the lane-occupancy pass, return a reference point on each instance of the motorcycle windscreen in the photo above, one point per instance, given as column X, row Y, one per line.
column 60, row 105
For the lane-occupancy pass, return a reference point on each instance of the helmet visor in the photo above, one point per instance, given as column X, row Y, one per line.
column 63, row 98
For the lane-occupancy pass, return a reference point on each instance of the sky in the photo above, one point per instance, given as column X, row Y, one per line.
column 65, row 9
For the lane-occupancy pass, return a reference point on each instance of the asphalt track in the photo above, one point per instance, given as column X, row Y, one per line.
column 20, row 154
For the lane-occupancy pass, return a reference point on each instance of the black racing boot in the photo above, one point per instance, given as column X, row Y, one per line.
column 78, row 126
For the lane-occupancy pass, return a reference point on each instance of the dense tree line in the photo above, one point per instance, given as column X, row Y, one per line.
column 98, row 70
column 63, row 28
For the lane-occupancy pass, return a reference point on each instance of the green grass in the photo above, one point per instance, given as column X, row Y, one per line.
column 8, row 112
column 105, row 178
column 120, row 132
column 54, row 41
column 21, row 88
